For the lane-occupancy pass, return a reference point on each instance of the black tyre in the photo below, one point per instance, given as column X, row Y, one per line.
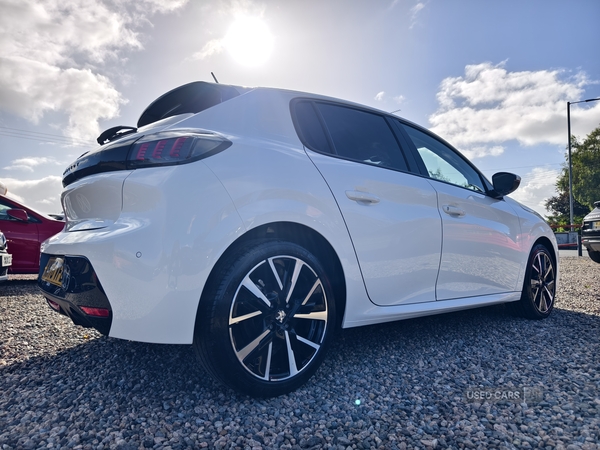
column 539, row 287
column 266, row 321
column 594, row 256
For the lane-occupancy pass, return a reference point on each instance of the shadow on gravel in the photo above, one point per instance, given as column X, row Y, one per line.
column 113, row 371
column 402, row 369
column 19, row 280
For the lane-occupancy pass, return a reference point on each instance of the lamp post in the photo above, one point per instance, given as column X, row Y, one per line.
column 570, row 162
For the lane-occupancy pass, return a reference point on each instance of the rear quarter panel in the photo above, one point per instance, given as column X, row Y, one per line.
column 153, row 258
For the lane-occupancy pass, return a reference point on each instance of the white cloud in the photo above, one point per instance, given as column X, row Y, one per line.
column 383, row 97
column 536, row 187
column 212, row 47
column 42, row 195
column 54, row 31
column 481, row 151
column 489, row 104
column 414, row 11
column 162, row 6
column 53, row 51
column 29, row 164
column 37, row 87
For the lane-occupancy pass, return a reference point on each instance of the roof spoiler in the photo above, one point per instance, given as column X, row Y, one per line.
column 189, row 98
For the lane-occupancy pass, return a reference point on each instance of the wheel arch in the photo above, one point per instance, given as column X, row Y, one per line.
column 301, row 235
column 548, row 244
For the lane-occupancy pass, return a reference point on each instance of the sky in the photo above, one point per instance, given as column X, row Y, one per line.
column 491, row 77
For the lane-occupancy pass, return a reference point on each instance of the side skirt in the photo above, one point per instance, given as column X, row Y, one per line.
column 381, row 314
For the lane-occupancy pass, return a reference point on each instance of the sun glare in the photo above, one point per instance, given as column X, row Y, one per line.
column 249, row 41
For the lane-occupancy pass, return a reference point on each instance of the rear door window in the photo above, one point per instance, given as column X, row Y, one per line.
column 349, row 133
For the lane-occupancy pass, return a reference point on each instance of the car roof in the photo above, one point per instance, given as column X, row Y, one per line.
column 199, row 96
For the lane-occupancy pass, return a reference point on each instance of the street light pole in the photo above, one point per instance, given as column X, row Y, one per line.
column 570, row 161
column 570, row 168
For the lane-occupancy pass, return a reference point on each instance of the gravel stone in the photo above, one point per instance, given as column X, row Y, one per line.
column 400, row 385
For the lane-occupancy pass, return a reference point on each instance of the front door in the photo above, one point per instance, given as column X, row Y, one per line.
column 481, row 253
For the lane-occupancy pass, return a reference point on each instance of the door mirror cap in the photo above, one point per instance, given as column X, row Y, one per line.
column 505, row 183
column 19, row 214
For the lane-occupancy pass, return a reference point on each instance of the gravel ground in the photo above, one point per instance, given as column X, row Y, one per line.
column 407, row 384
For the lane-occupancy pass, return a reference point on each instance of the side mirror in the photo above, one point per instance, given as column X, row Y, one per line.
column 19, row 214
column 505, row 183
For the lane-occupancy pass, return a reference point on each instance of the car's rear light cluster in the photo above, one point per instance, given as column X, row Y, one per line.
column 174, row 147
column 164, row 148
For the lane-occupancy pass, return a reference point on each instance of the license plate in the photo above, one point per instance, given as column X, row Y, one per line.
column 54, row 271
column 6, row 260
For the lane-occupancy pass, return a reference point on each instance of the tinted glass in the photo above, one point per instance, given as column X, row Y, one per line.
column 362, row 136
column 310, row 128
column 3, row 214
column 443, row 163
column 189, row 98
column 5, row 206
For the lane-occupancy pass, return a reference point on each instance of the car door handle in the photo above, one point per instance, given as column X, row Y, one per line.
column 453, row 210
column 362, row 197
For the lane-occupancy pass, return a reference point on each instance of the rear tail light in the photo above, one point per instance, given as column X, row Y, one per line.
column 55, row 306
column 174, row 147
column 97, row 312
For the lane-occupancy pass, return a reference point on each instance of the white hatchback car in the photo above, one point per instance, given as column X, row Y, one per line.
column 252, row 223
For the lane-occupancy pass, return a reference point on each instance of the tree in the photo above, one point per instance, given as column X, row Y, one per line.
column 585, row 160
column 559, row 207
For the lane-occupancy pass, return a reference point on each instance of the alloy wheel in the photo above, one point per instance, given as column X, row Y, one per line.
column 278, row 318
column 543, row 284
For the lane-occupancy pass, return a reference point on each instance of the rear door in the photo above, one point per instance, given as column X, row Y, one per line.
column 391, row 215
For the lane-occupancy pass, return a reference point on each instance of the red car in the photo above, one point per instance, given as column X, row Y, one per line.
column 25, row 229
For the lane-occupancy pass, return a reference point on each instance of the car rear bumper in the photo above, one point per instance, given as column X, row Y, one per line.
column 75, row 291
column 150, row 247
column 3, row 268
column 591, row 243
